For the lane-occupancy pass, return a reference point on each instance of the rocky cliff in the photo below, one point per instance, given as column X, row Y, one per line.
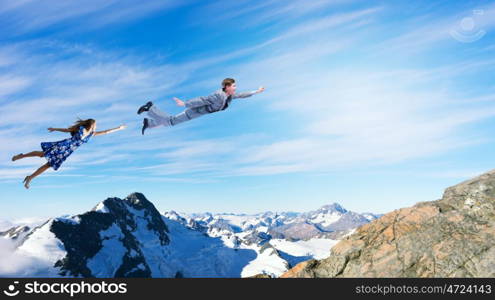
column 450, row 237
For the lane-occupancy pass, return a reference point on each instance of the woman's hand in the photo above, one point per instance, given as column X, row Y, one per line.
column 179, row 102
column 261, row 89
column 51, row 129
column 123, row 126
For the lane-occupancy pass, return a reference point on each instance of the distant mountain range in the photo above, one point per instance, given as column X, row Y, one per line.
column 330, row 221
column 130, row 238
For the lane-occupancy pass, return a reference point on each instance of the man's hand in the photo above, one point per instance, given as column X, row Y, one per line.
column 179, row 102
column 261, row 89
column 123, row 126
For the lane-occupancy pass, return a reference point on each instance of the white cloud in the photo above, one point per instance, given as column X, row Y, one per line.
column 28, row 16
column 438, row 29
column 5, row 225
column 9, row 85
column 16, row 264
column 325, row 23
column 336, row 113
column 259, row 13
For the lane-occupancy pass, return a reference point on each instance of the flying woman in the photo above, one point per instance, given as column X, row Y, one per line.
column 57, row 152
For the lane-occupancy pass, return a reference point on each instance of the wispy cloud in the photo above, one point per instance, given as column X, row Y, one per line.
column 325, row 23
column 439, row 29
column 9, row 85
column 26, row 16
column 259, row 13
column 17, row 264
column 335, row 114
column 350, row 117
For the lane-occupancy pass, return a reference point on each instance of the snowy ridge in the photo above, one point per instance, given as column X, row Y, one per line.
column 130, row 238
column 330, row 221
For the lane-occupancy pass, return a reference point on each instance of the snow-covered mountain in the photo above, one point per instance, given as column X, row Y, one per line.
column 330, row 221
column 16, row 233
column 130, row 238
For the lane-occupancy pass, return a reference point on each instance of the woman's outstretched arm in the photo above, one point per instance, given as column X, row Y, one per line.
column 58, row 129
column 110, row 130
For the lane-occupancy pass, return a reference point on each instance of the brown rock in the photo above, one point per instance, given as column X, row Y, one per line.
column 260, row 276
column 450, row 237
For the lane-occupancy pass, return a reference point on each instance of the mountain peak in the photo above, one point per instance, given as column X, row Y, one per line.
column 115, row 224
column 128, row 237
column 476, row 195
column 333, row 207
column 137, row 198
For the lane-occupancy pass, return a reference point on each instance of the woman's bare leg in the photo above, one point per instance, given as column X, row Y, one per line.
column 28, row 179
column 30, row 154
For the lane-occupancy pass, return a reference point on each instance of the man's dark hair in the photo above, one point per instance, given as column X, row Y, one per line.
column 227, row 82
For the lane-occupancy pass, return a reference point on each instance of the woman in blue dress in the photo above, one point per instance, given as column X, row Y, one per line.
column 57, row 152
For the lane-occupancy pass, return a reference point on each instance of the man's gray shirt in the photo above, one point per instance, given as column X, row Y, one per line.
column 196, row 107
column 217, row 101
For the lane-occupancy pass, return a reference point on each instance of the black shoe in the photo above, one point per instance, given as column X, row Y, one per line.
column 145, row 107
column 145, row 125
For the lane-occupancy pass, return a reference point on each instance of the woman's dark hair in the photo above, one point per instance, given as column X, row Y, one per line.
column 86, row 123
column 227, row 82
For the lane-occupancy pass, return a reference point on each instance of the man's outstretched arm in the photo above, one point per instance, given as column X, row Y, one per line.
column 248, row 94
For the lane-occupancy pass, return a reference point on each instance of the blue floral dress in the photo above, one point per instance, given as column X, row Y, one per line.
column 57, row 152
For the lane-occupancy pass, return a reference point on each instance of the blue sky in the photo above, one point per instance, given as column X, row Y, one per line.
column 375, row 105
